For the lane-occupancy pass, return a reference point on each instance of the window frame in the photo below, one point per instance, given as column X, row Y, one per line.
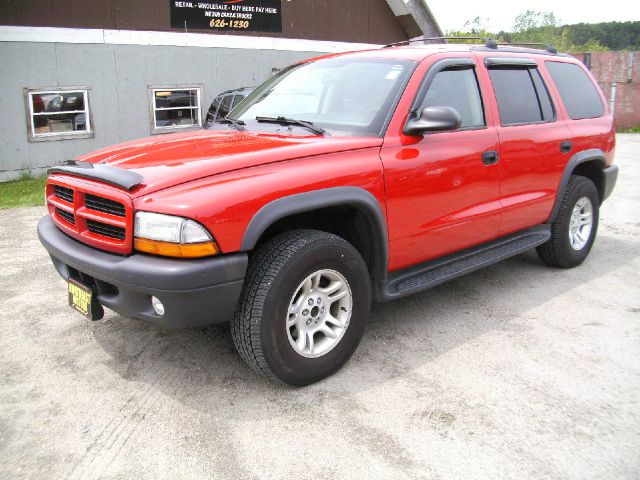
column 32, row 136
column 154, row 128
column 452, row 63
column 521, row 64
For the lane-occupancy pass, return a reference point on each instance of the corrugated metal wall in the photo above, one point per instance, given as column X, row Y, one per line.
column 119, row 77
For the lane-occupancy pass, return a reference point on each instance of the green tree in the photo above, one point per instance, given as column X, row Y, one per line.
column 542, row 27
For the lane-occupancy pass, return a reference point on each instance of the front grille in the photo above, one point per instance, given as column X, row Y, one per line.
column 106, row 230
column 104, row 205
column 66, row 216
column 102, row 216
column 64, row 193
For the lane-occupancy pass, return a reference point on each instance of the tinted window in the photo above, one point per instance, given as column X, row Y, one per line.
column 521, row 95
column 579, row 94
column 457, row 89
column 212, row 111
column 236, row 100
column 225, row 107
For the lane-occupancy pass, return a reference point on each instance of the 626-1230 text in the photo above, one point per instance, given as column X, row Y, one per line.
column 222, row 23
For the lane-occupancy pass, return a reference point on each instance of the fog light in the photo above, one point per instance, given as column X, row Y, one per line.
column 157, row 305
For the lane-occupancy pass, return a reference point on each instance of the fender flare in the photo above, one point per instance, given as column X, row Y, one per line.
column 574, row 161
column 316, row 199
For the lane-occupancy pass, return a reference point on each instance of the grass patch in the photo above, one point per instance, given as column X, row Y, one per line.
column 630, row 130
column 28, row 191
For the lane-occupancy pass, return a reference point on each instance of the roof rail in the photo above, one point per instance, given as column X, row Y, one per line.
column 545, row 46
column 488, row 42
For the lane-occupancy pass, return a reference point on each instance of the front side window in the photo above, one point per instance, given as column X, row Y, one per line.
column 578, row 93
column 345, row 96
column 521, row 95
column 175, row 108
column 457, row 89
column 61, row 113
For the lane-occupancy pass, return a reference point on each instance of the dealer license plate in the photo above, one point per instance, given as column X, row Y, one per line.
column 81, row 298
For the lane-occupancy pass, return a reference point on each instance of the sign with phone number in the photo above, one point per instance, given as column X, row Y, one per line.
column 247, row 15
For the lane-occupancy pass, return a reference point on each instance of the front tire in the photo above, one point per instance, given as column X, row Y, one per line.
column 574, row 228
column 304, row 307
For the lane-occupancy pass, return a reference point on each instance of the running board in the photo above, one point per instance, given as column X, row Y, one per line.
column 435, row 272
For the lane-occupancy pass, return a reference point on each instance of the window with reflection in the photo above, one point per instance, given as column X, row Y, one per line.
column 58, row 114
column 175, row 108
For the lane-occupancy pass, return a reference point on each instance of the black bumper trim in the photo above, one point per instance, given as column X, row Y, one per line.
column 610, row 179
column 194, row 292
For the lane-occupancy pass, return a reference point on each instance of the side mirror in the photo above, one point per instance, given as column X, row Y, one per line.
column 433, row 119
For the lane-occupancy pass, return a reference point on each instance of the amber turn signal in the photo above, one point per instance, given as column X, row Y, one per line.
column 178, row 250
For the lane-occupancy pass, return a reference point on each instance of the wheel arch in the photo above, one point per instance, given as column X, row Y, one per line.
column 588, row 163
column 372, row 244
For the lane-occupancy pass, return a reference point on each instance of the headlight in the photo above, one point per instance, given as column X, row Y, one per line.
column 172, row 236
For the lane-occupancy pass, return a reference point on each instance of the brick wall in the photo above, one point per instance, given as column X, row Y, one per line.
column 623, row 70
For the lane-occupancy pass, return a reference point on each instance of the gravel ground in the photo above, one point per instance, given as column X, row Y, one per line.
column 517, row 371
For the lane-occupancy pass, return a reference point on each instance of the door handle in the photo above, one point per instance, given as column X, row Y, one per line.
column 565, row 147
column 490, row 157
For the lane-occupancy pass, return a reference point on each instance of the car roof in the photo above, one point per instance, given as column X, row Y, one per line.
column 420, row 52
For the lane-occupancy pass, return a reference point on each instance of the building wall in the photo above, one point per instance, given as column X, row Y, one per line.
column 365, row 21
column 119, row 77
column 623, row 70
column 118, row 48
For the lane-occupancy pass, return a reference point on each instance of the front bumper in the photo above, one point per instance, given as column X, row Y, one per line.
column 194, row 292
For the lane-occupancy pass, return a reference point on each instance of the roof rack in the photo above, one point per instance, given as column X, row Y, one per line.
column 545, row 46
column 488, row 42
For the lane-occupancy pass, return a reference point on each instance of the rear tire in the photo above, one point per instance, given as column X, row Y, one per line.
column 575, row 226
column 283, row 325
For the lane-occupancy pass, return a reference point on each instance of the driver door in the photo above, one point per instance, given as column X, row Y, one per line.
column 443, row 187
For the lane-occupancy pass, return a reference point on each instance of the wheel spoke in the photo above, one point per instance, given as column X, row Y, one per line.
column 333, row 287
column 301, row 341
column 315, row 282
column 335, row 321
column 310, row 342
column 327, row 331
column 308, row 285
column 337, row 296
column 292, row 320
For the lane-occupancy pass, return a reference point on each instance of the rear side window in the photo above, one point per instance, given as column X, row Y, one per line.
column 578, row 93
column 457, row 89
column 521, row 94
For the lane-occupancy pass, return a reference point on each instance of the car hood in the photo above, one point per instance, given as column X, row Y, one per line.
column 168, row 160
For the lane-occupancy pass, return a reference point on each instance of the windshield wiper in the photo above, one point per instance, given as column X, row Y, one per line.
column 292, row 121
column 236, row 123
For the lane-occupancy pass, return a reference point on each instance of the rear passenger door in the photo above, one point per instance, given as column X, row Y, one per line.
column 534, row 142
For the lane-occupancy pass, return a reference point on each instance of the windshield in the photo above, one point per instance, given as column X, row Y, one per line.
column 344, row 96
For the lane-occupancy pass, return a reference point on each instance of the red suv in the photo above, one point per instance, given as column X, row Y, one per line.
column 341, row 180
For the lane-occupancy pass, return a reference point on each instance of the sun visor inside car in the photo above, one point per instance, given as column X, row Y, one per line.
column 106, row 173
